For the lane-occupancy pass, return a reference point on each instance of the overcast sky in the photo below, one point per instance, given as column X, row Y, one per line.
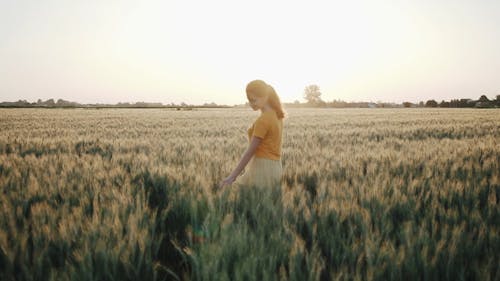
column 206, row 51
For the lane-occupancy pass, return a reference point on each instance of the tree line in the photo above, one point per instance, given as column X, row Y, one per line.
column 60, row 103
column 312, row 95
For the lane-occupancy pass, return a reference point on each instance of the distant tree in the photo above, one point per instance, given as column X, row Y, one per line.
column 431, row 103
column 407, row 104
column 298, row 102
column 312, row 94
column 50, row 102
column 466, row 103
column 421, row 104
column 337, row 104
column 484, row 102
column 39, row 101
column 483, row 98
column 210, row 104
column 444, row 104
column 498, row 100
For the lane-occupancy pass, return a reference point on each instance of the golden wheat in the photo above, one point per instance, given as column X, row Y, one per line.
column 367, row 194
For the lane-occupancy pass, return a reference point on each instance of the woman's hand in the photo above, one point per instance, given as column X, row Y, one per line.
column 254, row 143
column 227, row 181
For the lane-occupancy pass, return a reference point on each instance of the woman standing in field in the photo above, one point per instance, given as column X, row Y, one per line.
column 263, row 154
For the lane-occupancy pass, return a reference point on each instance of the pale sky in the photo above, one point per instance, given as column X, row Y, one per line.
column 206, row 51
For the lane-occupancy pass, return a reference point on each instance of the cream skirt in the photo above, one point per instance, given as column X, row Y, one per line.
column 261, row 172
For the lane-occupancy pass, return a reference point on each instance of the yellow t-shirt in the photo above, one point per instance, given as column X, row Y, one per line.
column 268, row 127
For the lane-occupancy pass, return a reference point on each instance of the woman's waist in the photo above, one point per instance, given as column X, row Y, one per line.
column 267, row 158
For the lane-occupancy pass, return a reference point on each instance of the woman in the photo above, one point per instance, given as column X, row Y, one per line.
column 264, row 151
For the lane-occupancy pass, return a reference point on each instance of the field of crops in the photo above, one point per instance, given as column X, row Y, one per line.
column 367, row 194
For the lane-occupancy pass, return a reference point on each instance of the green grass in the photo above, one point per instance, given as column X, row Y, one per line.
column 366, row 195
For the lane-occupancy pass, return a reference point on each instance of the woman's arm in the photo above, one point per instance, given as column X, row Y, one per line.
column 254, row 143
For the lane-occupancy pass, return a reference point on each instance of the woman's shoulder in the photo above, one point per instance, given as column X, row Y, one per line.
column 269, row 117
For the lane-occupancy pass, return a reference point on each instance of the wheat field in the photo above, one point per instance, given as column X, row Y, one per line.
column 367, row 194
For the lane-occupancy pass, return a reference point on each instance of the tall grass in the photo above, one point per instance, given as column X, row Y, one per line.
column 366, row 195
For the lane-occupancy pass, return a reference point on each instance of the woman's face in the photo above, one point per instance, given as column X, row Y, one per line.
column 256, row 102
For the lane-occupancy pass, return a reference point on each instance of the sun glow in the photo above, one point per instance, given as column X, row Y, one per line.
column 204, row 51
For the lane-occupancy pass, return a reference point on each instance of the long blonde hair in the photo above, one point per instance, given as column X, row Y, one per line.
column 262, row 89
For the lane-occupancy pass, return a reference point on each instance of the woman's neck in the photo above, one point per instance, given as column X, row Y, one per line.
column 266, row 108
